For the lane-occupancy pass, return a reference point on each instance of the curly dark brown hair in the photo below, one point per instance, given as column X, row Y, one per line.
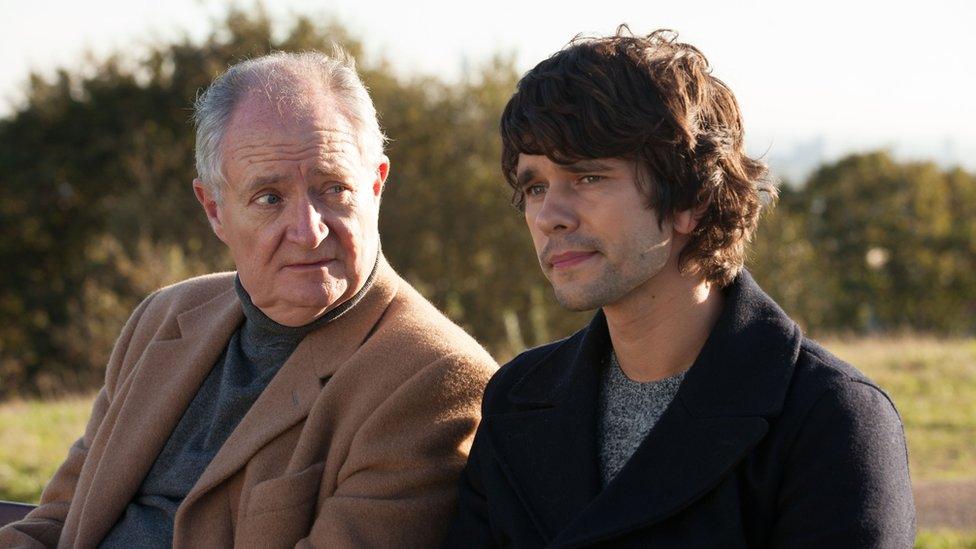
column 653, row 100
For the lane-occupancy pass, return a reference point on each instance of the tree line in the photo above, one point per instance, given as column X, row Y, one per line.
column 96, row 211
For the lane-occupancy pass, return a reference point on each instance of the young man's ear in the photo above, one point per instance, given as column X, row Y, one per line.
column 209, row 202
column 686, row 221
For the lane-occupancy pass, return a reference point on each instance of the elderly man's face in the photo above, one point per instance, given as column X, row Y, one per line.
column 300, row 207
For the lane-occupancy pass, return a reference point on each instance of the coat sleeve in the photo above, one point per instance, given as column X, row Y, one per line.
column 42, row 526
column 846, row 481
column 398, row 486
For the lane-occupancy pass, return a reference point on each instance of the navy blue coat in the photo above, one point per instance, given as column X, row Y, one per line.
column 771, row 441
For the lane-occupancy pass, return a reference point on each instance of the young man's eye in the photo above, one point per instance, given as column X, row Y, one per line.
column 335, row 189
column 534, row 190
column 269, row 199
column 591, row 178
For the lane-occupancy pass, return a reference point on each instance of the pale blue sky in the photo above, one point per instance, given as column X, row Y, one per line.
column 858, row 73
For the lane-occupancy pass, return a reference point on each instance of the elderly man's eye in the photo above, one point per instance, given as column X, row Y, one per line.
column 335, row 189
column 269, row 199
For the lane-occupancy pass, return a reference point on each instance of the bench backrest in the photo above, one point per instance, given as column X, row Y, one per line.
column 12, row 512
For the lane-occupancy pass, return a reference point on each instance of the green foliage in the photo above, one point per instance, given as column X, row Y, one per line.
column 446, row 222
column 873, row 245
column 96, row 211
column 96, row 208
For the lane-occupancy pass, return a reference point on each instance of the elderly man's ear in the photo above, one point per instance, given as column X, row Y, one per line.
column 209, row 202
column 382, row 172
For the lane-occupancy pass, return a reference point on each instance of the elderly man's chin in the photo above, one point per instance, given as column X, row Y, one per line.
column 315, row 289
column 295, row 297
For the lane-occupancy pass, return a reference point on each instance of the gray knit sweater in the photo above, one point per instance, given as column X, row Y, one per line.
column 628, row 411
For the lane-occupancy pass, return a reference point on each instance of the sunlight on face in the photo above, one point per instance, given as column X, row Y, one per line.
column 595, row 237
column 300, row 208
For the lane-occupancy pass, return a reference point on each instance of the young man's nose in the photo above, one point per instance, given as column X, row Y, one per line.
column 555, row 213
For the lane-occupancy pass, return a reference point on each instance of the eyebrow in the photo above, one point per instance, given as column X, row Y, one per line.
column 323, row 170
column 581, row 166
column 524, row 177
column 261, row 181
column 586, row 166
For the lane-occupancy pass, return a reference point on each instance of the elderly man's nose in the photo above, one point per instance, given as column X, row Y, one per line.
column 307, row 227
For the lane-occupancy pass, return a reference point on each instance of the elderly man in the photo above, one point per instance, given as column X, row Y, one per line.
column 313, row 398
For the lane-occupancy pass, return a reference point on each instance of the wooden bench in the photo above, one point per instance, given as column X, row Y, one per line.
column 12, row 512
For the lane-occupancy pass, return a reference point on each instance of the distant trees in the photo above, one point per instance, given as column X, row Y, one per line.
column 96, row 208
column 870, row 244
column 96, row 211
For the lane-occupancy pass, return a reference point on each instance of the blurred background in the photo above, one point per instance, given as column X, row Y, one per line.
column 863, row 110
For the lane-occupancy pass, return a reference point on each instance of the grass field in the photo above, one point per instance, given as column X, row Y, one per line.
column 932, row 381
column 933, row 384
column 34, row 439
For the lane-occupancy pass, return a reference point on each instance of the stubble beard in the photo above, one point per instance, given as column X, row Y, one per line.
column 607, row 287
column 612, row 283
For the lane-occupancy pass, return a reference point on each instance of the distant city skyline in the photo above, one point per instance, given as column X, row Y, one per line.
column 793, row 159
column 814, row 80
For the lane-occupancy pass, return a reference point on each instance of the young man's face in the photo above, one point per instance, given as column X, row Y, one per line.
column 596, row 239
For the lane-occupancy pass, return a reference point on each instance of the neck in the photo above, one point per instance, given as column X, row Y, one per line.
column 660, row 327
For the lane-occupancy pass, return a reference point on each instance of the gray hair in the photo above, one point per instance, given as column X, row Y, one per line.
column 289, row 75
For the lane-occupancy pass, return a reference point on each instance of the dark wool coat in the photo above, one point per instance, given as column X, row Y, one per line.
column 771, row 441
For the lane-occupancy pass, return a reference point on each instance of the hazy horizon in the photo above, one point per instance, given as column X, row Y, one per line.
column 825, row 79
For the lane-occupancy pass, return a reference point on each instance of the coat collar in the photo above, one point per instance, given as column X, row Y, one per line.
column 289, row 396
column 148, row 404
column 171, row 371
column 549, row 446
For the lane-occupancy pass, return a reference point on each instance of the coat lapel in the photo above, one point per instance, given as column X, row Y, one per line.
column 720, row 413
column 547, row 448
column 163, row 382
column 289, row 396
column 682, row 459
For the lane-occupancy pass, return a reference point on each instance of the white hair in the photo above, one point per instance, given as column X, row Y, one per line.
column 289, row 75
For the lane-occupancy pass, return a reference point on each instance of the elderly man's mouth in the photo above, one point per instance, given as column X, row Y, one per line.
column 309, row 266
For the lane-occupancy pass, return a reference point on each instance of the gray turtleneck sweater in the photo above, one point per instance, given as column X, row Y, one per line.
column 255, row 352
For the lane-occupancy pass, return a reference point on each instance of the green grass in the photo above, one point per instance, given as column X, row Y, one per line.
column 34, row 440
column 933, row 384
column 932, row 381
column 945, row 539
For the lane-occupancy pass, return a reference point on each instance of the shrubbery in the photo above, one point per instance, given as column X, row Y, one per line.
column 97, row 210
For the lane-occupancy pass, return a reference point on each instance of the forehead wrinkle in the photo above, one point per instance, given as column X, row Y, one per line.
column 317, row 138
column 329, row 162
column 264, row 151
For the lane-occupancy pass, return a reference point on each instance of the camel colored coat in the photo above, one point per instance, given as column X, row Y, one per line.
column 356, row 442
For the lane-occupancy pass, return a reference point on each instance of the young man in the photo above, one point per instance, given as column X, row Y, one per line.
column 691, row 412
